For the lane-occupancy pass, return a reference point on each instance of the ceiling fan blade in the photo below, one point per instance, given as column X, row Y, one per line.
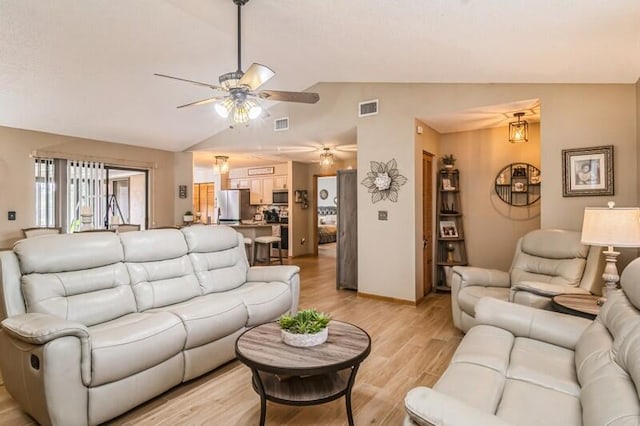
column 202, row 102
column 212, row 86
column 256, row 76
column 279, row 95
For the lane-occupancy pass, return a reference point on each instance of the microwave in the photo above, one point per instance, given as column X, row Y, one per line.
column 281, row 196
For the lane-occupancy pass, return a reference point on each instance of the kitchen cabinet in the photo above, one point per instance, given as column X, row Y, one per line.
column 238, row 184
column 261, row 191
column 279, row 182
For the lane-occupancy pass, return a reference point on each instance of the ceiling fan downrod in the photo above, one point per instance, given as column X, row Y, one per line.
column 240, row 3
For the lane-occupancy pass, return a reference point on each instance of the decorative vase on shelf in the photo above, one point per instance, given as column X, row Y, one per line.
column 305, row 340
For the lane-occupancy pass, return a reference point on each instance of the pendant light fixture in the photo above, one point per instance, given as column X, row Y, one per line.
column 326, row 158
column 518, row 130
column 222, row 164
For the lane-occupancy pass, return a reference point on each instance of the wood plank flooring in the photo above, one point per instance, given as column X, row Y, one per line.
column 411, row 346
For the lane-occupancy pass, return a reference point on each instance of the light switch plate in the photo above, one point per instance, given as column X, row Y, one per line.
column 11, row 215
column 382, row 215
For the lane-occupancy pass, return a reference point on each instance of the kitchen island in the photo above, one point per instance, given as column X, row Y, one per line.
column 262, row 229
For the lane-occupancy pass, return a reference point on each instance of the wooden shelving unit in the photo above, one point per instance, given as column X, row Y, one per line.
column 518, row 184
column 451, row 248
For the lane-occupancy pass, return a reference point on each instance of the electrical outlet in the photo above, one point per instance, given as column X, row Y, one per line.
column 11, row 215
column 382, row 215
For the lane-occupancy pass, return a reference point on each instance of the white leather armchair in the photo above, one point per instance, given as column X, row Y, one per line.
column 547, row 262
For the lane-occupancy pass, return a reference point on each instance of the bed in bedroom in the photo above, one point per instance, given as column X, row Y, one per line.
column 327, row 221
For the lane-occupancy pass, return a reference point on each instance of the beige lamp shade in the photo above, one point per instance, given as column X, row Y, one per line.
column 614, row 227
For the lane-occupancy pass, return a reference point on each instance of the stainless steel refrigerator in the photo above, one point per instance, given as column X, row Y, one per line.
column 233, row 205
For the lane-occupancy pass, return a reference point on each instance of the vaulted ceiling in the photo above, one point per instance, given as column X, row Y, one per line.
column 85, row 68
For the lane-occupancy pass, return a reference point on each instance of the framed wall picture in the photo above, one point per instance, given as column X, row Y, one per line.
column 448, row 229
column 587, row 171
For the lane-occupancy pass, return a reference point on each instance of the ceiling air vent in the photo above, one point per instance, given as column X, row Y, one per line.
column 367, row 108
column 280, row 124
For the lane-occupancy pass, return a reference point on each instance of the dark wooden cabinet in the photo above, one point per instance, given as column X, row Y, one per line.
column 347, row 232
column 451, row 248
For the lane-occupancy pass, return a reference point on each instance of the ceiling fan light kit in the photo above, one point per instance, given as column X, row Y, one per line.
column 238, row 94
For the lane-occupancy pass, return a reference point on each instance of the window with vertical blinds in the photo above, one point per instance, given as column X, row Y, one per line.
column 86, row 192
column 45, row 192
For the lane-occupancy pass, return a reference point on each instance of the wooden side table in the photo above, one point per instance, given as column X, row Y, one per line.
column 582, row 305
column 303, row 376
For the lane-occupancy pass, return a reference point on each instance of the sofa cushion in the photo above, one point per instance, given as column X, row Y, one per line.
column 525, row 404
column 161, row 272
column 607, row 364
column 68, row 252
column 554, row 244
column 88, row 296
column 265, row 301
column 545, row 365
column 209, row 318
column 133, row 343
column 153, row 245
column 526, row 267
column 162, row 283
column 469, row 296
column 218, row 257
column 476, row 374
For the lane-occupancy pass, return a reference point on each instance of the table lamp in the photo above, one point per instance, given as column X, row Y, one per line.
column 611, row 227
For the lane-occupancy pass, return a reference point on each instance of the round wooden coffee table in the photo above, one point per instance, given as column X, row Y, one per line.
column 303, row 376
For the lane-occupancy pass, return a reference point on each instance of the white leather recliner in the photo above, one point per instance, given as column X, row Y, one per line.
column 547, row 262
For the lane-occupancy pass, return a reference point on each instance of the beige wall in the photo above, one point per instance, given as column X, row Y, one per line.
column 572, row 116
column 480, row 156
column 182, row 175
column 17, row 174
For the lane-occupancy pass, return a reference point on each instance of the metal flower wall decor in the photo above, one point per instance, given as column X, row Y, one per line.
column 384, row 181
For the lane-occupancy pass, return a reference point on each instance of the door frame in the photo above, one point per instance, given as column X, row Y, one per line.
column 314, row 206
column 431, row 225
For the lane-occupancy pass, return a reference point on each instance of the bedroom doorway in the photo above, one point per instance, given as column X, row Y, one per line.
column 325, row 220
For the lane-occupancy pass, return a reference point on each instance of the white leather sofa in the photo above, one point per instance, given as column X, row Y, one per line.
column 98, row 323
column 526, row 366
column 546, row 262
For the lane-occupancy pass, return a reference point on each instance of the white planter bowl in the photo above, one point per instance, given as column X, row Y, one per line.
column 305, row 340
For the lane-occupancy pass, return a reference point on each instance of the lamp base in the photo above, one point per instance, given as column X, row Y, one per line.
column 610, row 275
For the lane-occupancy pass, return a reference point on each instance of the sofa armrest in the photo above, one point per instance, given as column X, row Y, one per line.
column 470, row 275
column 525, row 321
column 289, row 274
column 39, row 329
column 426, row 406
column 548, row 289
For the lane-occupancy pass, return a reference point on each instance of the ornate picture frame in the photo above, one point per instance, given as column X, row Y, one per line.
column 587, row 171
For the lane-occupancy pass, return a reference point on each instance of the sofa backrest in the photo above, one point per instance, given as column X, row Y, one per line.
column 218, row 256
column 607, row 357
column 557, row 257
column 79, row 277
column 160, row 270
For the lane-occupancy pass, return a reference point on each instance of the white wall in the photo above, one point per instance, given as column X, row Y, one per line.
column 327, row 183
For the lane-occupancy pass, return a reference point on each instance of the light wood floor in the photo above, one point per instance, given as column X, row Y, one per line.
column 411, row 346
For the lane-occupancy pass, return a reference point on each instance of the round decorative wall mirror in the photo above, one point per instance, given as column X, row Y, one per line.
column 518, row 184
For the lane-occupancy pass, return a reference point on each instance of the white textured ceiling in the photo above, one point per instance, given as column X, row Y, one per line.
column 85, row 68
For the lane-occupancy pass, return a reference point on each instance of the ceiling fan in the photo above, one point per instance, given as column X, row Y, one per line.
column 238, row 95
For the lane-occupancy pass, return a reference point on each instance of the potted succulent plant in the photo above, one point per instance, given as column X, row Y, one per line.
column 448, row 161
column 306, row 328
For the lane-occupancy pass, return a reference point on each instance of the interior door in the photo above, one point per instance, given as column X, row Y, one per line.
column 427, row 221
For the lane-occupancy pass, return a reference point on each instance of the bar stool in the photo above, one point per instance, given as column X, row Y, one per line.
column 268, row 242
column 248, row 243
